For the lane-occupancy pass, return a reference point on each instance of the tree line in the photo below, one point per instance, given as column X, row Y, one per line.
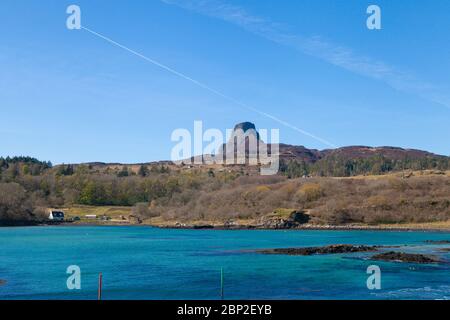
column 335, row 166
column 27, row 186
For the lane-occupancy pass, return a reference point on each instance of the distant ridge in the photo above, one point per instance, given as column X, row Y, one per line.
column 297, row 153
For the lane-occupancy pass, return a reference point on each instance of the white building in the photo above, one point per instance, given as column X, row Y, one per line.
column 56, row 215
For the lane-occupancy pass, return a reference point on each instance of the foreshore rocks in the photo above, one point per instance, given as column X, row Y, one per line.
column 437, row 241
column 394, row 256
column 331, row 249
column 294, row 220
column 203, row 226
column 135, row 219
column 19, row 223
column 405, row 257
column 274, row 223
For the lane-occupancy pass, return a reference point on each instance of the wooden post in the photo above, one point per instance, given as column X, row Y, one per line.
column 221, row 283
column 100, row 283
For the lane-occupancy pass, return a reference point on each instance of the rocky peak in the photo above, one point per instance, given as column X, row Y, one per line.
column 244, row 126
column 247, row 128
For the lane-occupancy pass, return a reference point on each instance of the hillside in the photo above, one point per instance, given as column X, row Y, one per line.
column 349, row 185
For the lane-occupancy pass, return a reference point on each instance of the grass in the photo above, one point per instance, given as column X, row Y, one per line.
column 281, row 213
column 438, row 225
column 113, row 212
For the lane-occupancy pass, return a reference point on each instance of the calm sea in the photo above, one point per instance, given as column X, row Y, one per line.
column 151, row 263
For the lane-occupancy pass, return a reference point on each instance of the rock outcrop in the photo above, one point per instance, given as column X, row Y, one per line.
column 203, row 226
column 332, row 249
column 246, row 127
column 134, row 219
column 437, row 241
column 294, row 220
column 405, row 257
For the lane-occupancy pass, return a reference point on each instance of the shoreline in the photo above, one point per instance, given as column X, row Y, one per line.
column 406, row 228
column 314, row 228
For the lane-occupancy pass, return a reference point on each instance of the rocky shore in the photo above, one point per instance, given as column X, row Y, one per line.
column 284, row 220
column 394, row 256
column 20, row 223
column 405, row 257
column 437, row 241
column 332, row 249
column 236, row 226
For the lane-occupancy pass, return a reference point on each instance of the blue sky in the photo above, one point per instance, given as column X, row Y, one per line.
column 69, row 96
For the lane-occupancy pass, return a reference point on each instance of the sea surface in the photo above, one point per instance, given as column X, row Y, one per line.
column 150, row 263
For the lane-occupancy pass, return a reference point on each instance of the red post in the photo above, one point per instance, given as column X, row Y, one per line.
column 100, row 280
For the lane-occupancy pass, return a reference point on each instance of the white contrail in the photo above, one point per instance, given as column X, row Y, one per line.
column 206, row 87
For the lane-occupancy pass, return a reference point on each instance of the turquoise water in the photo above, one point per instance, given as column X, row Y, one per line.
column 151, row 263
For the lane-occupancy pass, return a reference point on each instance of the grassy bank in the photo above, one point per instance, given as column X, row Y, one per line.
column 120, row 215
column 114, row 214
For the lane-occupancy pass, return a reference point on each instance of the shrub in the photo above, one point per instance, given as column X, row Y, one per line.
column 310, row 192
